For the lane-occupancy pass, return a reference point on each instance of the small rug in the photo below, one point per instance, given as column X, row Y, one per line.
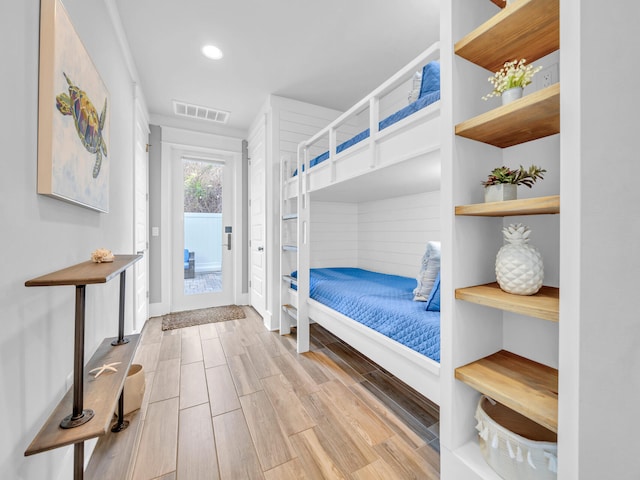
column 202, row 316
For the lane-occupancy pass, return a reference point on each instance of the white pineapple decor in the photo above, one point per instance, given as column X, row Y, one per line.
column 519, row 267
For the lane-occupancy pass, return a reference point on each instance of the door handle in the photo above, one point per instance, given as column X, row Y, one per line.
column 140, row 252
column 260, row 249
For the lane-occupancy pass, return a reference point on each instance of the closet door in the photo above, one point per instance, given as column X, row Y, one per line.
column 257, row 215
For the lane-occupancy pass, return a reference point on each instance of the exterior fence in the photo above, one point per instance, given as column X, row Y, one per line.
column 203, row 235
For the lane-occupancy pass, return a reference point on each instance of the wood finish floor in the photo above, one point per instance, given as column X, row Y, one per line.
column 233, row 401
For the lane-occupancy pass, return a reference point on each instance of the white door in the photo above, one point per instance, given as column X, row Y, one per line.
column 257, row 215
column 203, row 236
column 141, row 220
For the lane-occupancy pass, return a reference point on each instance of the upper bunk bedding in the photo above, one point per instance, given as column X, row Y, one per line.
column 382, row 302
column 429, row 93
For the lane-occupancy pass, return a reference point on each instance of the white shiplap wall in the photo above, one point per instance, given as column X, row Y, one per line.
column 393, row 233
column 387, row 236
column 296, row 126
column 334, row 234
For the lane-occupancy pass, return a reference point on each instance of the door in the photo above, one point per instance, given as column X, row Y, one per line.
column 141, row 220
column 257, row 215
column 203, row 236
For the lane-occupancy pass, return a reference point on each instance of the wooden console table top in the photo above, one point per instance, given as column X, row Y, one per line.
column 85, row 273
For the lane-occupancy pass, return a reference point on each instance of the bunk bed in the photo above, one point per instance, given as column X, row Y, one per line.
column 397, row 155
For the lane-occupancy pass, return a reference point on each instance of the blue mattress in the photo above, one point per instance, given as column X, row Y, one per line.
column 410, row 109
column 382, row 302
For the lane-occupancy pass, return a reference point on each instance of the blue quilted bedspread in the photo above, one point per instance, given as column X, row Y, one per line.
column 419, row 104
column 382, row 302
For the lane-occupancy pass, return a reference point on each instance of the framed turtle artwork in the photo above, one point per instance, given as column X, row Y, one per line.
column 73, row 116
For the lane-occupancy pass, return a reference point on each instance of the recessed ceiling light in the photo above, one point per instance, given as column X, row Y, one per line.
column 212, row 52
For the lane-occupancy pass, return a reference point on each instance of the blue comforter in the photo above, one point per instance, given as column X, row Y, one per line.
column 382, row 302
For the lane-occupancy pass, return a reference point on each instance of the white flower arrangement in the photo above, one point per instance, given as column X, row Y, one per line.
column 512, row 74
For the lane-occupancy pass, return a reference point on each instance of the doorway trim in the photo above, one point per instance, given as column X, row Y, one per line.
column 174, row 142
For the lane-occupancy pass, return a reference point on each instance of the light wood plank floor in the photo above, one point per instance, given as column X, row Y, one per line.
column 233, row 401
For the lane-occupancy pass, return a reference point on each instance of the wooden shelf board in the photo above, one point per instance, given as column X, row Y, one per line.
column 533, row 116
column 290, row 310
column 545, row 304
column 85, row 273
column 523, row 385
column 527, row 29
column 100, row 395
column 524, row 206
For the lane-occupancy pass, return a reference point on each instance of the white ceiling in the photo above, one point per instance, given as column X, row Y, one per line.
column 326, row 52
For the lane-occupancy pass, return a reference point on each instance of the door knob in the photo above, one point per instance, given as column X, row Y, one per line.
column 260, row 249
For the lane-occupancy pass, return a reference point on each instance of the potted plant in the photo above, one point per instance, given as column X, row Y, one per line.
column 510, row 80
column 502, row 182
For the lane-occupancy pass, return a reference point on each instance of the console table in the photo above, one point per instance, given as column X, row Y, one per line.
column 86, row 411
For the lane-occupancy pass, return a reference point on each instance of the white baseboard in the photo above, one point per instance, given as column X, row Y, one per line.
column 158, row 309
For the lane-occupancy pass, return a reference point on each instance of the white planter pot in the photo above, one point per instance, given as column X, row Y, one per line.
column 500, row 192
column 512, row 94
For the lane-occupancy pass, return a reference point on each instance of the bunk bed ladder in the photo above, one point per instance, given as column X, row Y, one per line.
column 288, row 247
column 294, row 210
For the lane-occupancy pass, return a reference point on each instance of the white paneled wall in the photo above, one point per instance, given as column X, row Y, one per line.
column 393, row 233
column 387, row 236
column 294, row 127
column 334, row 234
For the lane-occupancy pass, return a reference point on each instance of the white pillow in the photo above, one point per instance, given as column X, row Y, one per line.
column 428, row 272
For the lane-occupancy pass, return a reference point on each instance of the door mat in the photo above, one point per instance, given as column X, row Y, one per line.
column 202, row 316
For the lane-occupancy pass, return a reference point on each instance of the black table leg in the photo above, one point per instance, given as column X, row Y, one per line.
column 121, row 340
column 79, row 416
column 78, row 461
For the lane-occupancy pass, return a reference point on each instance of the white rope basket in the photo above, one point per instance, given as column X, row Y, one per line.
column 516, row 447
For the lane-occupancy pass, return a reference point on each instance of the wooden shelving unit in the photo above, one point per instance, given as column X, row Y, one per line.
column 533, row 116
column 70, row 422
column 545, row 304
column 525, row 206
column 523, row 385
column 100, row 395
column 526, row 29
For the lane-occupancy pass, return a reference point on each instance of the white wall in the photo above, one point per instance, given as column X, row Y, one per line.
column 334, row 234
column 393, row 233
column 600, row 227
column 387, row 236
column 41, row 234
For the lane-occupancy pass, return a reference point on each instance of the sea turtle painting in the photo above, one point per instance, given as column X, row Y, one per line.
column 89, row 124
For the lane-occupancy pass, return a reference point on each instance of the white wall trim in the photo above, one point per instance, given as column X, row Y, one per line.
column 176, row 142
column 116, row 22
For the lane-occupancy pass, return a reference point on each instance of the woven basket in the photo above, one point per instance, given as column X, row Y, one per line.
column 516, row 447
column 134, row 387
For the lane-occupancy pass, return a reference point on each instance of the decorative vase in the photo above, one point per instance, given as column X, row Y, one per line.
column 512, row 94
column 500, row 192
column 519, row 267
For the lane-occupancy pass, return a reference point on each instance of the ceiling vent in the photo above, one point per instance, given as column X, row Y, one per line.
column 201, row 113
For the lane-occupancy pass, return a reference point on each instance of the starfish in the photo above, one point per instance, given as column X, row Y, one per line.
column 104, row 367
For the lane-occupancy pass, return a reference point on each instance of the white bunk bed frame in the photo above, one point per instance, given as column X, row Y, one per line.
column 400, row 160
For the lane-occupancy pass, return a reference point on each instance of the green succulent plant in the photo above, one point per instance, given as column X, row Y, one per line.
column 519, row 176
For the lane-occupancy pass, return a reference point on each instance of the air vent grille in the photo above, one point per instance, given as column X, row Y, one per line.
column 202, row 113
